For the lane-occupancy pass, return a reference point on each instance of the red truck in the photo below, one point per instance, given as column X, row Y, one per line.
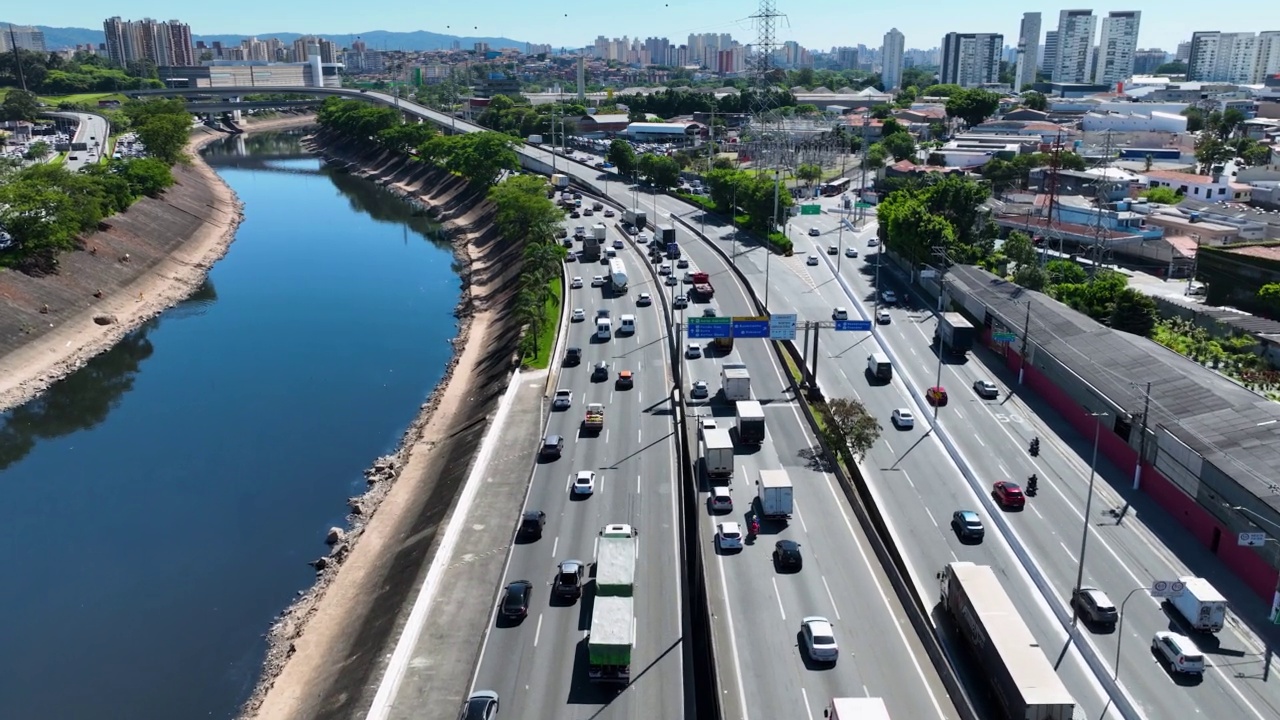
column 702, row 285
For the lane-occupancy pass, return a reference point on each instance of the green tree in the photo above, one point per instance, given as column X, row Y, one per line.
column 876, row 156
column 941, row 90
column 20, row 105
column 481, row 157
column 1176, row 67
column 1162, row 195
column 891, row 126
column 1229, row 122
column 41, row 220
column 881, row 112
column 1133, row 312
column 623, row 157
column 1022, row 252
column 973, row 105
column 660, row 170
column 809, row 173
column 1210, row 151
column 1035, row 101
column 1064, row 272
column 39, row 150
column 1001, row 174
column 1071, row 161
column 850, row 427
column 900, row 145
column 1269, row 299
column 146, row 176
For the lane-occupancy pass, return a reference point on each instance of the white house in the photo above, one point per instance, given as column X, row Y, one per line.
column 1201, row 187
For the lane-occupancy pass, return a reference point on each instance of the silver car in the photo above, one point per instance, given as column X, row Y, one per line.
column 819, row 639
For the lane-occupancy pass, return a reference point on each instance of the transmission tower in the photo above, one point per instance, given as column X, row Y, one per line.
column 770, row 143
column 1100, row 234
column 1051, row 189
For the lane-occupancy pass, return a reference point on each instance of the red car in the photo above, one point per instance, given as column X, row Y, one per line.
column 1008, row 495
column 936, row 395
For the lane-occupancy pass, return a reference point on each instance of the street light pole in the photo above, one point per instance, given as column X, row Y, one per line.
column 941, row 253
column 1088, row 503
column 777, row 185
column 1120, row 627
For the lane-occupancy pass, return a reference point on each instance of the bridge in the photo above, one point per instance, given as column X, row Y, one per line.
column 201, row 108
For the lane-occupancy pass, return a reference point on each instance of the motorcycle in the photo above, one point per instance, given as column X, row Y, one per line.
column 1032, row 484
column 755, row 527
column 1035, row 447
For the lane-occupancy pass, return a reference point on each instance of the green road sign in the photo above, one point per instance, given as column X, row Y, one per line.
column 811, row 209
column 1004, row 337
column 862, row 205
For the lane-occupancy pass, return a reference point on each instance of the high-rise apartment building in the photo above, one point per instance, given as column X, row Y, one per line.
column 891, row 60
column 658, row 51
column 160, row 43
column 1049, row 58
column 1024, row 73
column 1146, row 62
column 971, row 59
column 22, row 37
column 1183, row 54
column 1076, row 29
column 1116, row 47
column 1244, row 57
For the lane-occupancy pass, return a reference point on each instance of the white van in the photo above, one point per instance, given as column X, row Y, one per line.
column 627, row 324
column 604, row 328
column 879, row 367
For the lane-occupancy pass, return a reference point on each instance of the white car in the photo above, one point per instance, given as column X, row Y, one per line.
column 888, row 297
column 579, row 315
column 575, row 283
column 729, row 536
column 873, row 241
column 903, row 419
column 814, row 232
column 1179, row 652
column 681, row 302
column 584, row 483
column 643, row 238
column 664, row 269
column 699, row 389
column 709, row 312
column 608, row 212
column 819, row 639
column 811, row 260
column 721, row 500
column 851, row 252
column 672, row 280
column 883, row 317
column 688, row 275
column 644, row 299
column 597, row 280
column 692, row 351
column 682, row 263
column 563, row 399
column 840, row 313
column 617, row 244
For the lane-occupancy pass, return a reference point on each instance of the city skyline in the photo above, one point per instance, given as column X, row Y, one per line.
column 810, row 24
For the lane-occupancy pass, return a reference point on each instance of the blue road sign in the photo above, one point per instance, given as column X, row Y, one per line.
column 853, row 326
column 710, row 328
column 751, row 327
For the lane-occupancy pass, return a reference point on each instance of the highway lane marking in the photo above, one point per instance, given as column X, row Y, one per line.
column 637, row 484
column 733, row 639
column 886, row 444
column 606, row 436
column 979, row 439
column 1037, row 512
column 777, row 594
column 538, row 632
column 930, row 514
column 909, row 482
column 555, row 546
column 884, row 598
column 595, row 547
column 1068, row 551
column 796, row 507
column 831, row 597
column 807, row 711
column 568, row 483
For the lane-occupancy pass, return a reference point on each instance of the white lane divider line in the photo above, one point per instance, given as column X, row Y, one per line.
column 555, row 546
column 538, row 632
column 1067, row 550
column 795, row 507
column 930, row 514
column 832, row 598
column 807, row 711
column 778, row 594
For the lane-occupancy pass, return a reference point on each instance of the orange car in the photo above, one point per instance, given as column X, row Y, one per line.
column 936, row 395
column 625, row 380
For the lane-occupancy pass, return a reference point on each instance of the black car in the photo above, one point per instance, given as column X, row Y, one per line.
column 786, row 555
column 575, row 214
column 570, row 575
column 531, row 523
column 515, row 601
column 600, row 372
column 573, row 356
column 967, row 525
column 552, row 446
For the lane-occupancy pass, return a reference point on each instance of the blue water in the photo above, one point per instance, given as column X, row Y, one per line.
column 161, row 504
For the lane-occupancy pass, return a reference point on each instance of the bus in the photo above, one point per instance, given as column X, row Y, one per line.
column 835, row 187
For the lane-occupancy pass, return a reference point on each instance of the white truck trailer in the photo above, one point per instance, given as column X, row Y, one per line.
column 717, row 453
column 735, row 381
column 1203, row 607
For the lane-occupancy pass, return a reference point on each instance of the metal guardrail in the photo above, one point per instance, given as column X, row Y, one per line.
column 868, row 513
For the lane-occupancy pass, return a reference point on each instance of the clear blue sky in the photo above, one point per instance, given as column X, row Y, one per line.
column 817, row 24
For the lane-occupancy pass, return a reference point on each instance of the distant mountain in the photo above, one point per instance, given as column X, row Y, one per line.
column 56, row 38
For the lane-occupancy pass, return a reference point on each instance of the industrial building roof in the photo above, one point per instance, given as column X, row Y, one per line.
column 1235, row 429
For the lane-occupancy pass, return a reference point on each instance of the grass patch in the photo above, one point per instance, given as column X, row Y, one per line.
column 698, row 200
column 547, row 342
column 60, row 160
column 792, row 367
column 80, row 98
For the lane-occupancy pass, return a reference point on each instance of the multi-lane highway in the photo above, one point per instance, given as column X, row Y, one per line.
column 538, row 666
column 758, row 610
column 919, row 487
column 92, row 130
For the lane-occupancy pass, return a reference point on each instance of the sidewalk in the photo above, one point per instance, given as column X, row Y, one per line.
column 436, row 683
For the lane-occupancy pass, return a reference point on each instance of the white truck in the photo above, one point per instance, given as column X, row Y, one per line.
column 750, row 422
column 618, row 275
column 775, row 494
column 1204, row 608
column 735, row 381
column 717, row 453
column 856, row 708
column 559, row 181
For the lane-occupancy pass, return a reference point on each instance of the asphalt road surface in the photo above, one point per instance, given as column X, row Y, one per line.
column 539, row 666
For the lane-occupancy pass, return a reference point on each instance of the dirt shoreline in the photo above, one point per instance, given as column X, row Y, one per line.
column 323, row 642
column 73, row 340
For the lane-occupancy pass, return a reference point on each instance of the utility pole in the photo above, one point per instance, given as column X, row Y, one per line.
column 943, row 263
column 17, row 58
column 1142, row 441
column 777, row 185
column 1099, row 231
column 862, row 182
column 1088, row 503
column 1026, row 335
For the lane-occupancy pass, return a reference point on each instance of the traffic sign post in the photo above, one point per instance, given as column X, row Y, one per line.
column 705, row 328
column 853, row 326
column 750, row 327
column 782, row 327
column 813, row 209
column 1166, row 588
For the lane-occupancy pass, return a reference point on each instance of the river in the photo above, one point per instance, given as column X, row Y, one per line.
column 161, row 504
